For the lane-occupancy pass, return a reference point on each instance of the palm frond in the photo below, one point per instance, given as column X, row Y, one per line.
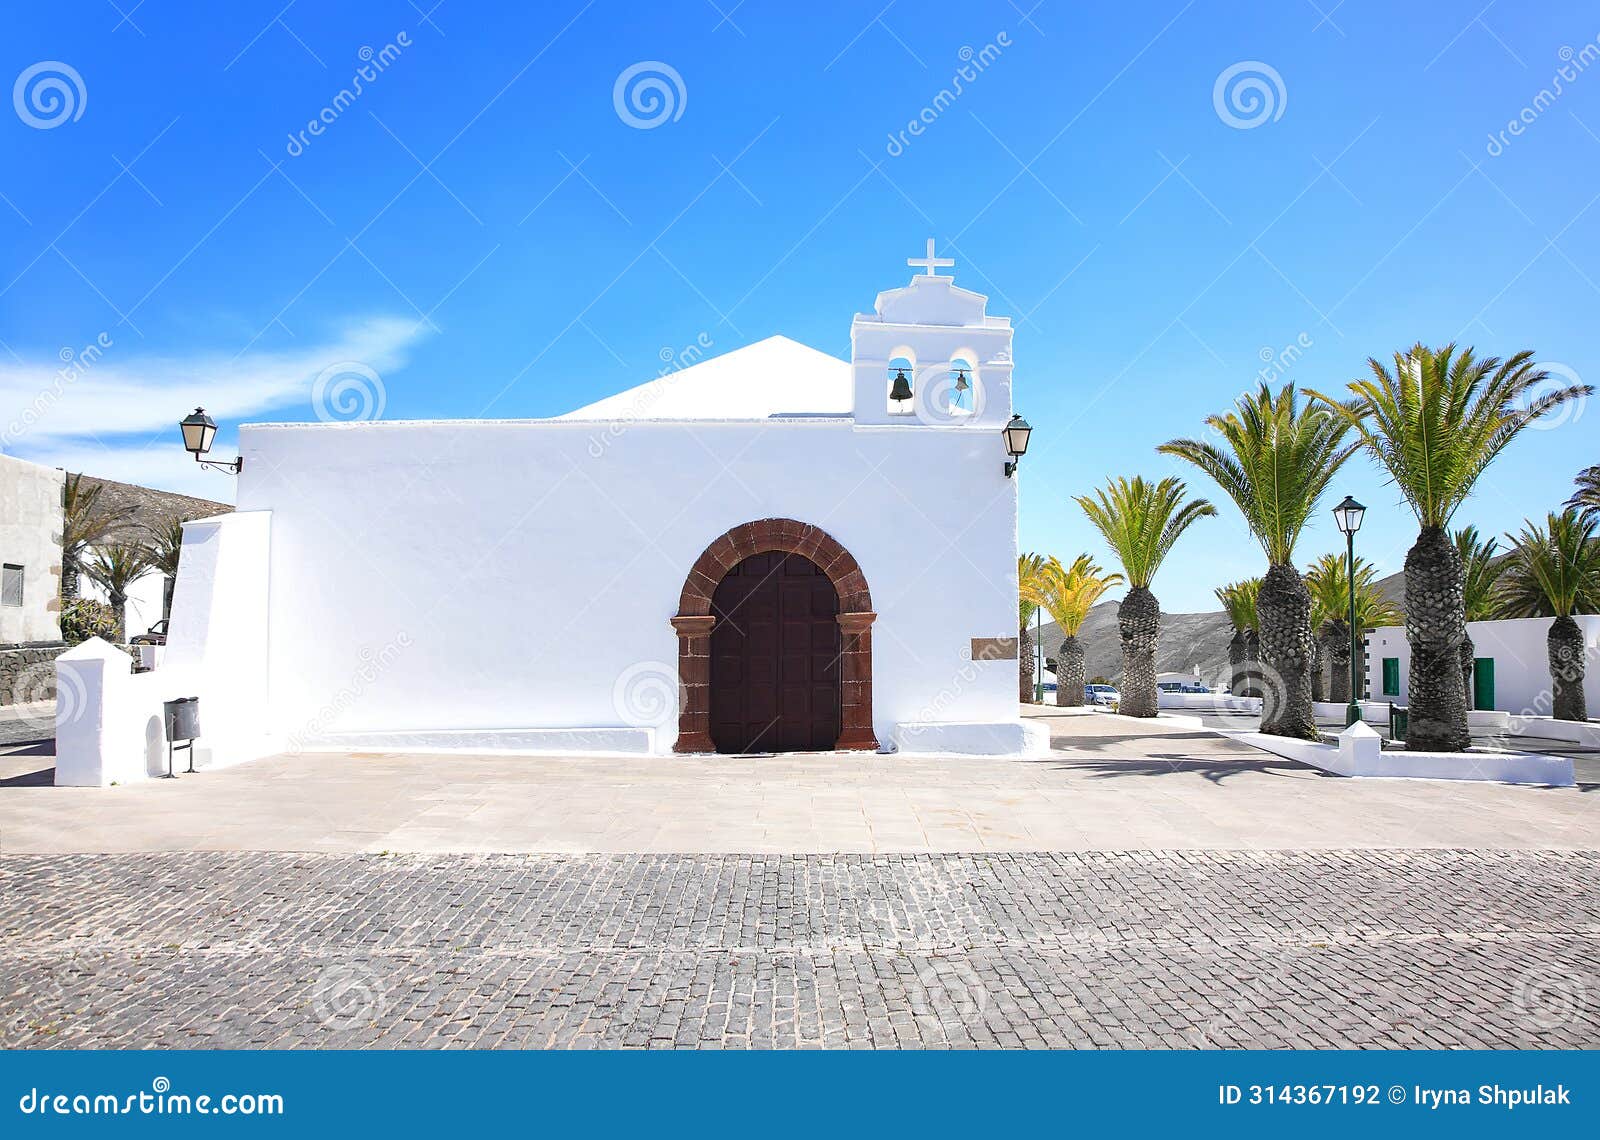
column 1441, row 417
column 1142, row 521
column 1274, row 457
column 1070, row 592
column 1553, row 570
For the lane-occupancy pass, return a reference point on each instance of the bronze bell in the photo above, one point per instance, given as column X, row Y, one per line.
column 961, row 380
column 902, row 387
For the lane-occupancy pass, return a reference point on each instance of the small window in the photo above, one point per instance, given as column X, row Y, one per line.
column 11, row 585
column 1391, row 676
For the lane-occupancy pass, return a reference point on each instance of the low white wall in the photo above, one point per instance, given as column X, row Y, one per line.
column 1021, row 738
column 109, row 721
column 1208, row 702
column 1585, row 734
column 1360, row 752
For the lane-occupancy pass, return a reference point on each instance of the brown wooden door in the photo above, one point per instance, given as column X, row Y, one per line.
column 775, row 678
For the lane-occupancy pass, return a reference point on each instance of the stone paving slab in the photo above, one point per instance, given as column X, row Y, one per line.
column 1179, row 949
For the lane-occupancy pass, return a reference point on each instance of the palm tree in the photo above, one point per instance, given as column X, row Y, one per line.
column 1141, row 522
column 114, row 569
column 1274, row 457
column 85, row 522
column 1330, row 626
column 1587, row 496
column 1070, row 593
column 1434, row 424
column 1480, row 571
column 1030, row 594
column 1239, row 602
column 1554, row 572
column 166, row 546
column 1329, row 582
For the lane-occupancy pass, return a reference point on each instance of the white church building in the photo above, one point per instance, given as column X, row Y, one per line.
column 770, row 550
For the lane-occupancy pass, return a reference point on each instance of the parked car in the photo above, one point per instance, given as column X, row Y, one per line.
column 1101, row 695
column 155, row 635
column 1183, row 687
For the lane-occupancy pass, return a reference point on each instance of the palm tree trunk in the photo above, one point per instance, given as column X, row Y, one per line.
column 69, row 578
column 119, row 614
column 1339, row 661
column 1436, row 624
column 1284, row 610
column 1468, row 652
column 1139, row 622
column 1025, row 666
column 1318, row 670
column 1564, row 644
column 1069, row 673
column 1236, row 663
column 1252, row 658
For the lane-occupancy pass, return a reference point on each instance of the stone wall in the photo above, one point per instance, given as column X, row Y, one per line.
column 28, row 673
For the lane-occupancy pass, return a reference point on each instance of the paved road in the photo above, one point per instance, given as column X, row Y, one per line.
column 1184, row 950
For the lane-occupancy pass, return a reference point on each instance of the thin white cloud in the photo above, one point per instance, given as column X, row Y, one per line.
column 77, row 413
column 106, row 392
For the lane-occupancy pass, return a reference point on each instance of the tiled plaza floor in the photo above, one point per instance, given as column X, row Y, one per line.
column 1185, row 950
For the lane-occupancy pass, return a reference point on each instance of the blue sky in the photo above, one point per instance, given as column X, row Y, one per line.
column 483, row 230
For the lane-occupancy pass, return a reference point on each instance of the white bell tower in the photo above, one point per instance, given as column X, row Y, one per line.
column 956, row 359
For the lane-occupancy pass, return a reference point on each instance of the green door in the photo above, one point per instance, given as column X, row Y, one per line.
column 1391, row 676
column 1483, row 682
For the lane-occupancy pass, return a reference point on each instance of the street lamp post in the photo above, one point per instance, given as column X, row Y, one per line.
column 1348, row 515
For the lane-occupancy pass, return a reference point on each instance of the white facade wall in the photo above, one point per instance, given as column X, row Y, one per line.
column 477, row 575
column 1521, row 663
column 30, row 537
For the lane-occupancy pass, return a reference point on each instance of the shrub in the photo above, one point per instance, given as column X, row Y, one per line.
column 83, row 618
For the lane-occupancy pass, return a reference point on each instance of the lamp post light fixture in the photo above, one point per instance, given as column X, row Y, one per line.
column 1347, row 516
column 1016, row 433
column 199, row 430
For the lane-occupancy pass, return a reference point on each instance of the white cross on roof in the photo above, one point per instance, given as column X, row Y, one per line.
column 930, row 262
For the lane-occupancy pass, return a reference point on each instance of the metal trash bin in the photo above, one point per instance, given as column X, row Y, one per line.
column 182, row 719
column 1399, row 721
column 182, row 722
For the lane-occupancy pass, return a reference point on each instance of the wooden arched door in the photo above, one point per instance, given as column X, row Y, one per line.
column 776, row 684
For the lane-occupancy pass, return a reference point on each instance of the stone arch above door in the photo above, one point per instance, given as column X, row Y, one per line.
column 694, row 622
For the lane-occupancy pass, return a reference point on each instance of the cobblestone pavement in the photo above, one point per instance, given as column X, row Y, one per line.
column 1182, row 949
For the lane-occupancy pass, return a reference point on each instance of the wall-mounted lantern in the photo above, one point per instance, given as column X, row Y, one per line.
column 199, row 430
column 1016, row 433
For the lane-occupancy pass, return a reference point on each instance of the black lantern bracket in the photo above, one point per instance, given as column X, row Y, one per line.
column 198, row 431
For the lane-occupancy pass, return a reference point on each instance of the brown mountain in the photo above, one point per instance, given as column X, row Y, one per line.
column 1187, row 640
